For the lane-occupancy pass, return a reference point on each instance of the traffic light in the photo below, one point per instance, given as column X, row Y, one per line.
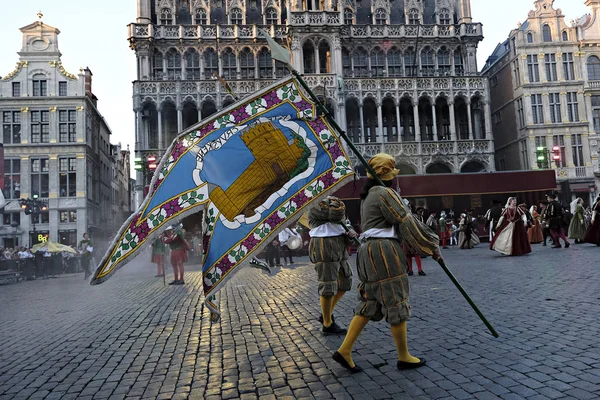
column 556, row 156
column 151, row 163
column 137, row 162
column 542, row 157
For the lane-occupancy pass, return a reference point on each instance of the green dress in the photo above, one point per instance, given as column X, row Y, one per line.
column 577, row 227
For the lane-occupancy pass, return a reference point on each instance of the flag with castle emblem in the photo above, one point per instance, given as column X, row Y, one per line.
column 250, row 168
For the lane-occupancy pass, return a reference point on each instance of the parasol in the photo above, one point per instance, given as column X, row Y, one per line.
column 52, row 247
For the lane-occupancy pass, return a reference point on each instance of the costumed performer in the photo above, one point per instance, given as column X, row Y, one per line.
column 328, row 251
column 465, row 232
column 593, row 233
column 179, row 248
column 577, row 227
column 535, row 233
column 85, row 248
column 511, row 235
column 284, row 236
column 158, row 256
column 555, row 219
column 492, row 216
column 444, row 231
column 381, row 265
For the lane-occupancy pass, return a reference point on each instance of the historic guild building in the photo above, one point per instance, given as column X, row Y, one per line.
column 545, row 90
column 399, row 75
column 56, row 146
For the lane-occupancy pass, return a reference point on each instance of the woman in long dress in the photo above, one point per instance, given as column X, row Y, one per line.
column 511, row 235
column 535, row 233
column 593, row 233
column 577, row 226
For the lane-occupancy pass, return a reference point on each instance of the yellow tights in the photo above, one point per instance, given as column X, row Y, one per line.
column 400, row 337
column 327, row 306
column 358, row 324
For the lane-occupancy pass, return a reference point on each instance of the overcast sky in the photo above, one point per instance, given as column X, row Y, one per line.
column 94, row 35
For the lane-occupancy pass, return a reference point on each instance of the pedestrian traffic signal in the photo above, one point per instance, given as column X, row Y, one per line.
column 137, row 164
column 542, row 157
column 151, row 160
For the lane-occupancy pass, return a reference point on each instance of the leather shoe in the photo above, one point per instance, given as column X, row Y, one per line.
column 401, row 365
column 410, row 273
column 334, row 329
column 342, row 361
column 422, row 273
column 567, row 245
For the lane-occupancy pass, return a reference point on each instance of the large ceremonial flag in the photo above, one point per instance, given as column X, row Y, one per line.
column 250, row 168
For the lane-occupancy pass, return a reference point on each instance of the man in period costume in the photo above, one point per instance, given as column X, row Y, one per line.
column 381, row 265
column 86, row 248
column 554, row 217
column 328, row 251
column 179, row 252
column 492, row 216
column 444, row 231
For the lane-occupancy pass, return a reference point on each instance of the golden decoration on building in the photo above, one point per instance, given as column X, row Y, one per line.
column 52, row 109
column 79, row 108
column 53, row 64
column 24, row 109
column 66, row 74
column 14, row 72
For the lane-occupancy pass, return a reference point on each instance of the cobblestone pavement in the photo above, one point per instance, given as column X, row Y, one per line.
column 131, row 337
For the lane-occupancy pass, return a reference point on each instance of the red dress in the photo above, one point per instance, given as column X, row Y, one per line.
column 179, row 247
column 511, row 236
column 593, row 233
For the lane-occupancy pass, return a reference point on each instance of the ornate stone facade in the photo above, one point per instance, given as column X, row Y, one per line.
column 545, row 88
column 57, row 146
column 399, row 77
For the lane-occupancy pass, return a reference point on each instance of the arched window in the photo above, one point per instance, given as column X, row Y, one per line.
column 265, row 64
column 237, row 17
column 192, row 64
column 427, row 62
column 211, row 63
column 346, row 62
column 459, row 68
column 546, row 33
column 229, row 64
column 593, row 68
column 308, row 55
column 380, row 17
column 361, row 62
column 166, row 16
column 348, row 16
column 200, row 17
column 565, row 36
column 271, row 16
column 444, row 16
column 410, row 62
column 529, row 37
column 377, row 62
column 444, row 64
column 394, row 59
column 247, row 63
column 157, row 67
column 413, row 17
column 173, row 64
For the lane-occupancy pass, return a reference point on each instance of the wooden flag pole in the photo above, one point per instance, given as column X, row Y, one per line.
column 283, row 55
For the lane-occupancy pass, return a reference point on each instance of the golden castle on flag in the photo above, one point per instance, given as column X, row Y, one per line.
column 275, row 159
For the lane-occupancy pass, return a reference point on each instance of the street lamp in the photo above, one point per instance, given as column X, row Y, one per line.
column 33, row 207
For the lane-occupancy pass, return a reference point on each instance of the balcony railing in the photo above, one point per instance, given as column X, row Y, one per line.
column 436, row 83
column 239, row 86
column 574, row 172
column 181, row 32
column 593, row 84
column 446, row 147
column 411, row 31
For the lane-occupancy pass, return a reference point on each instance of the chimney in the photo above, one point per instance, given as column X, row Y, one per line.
column 87, row 75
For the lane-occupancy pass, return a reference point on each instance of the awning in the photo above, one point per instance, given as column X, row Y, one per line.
column 463, row 184
column 581, row 187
